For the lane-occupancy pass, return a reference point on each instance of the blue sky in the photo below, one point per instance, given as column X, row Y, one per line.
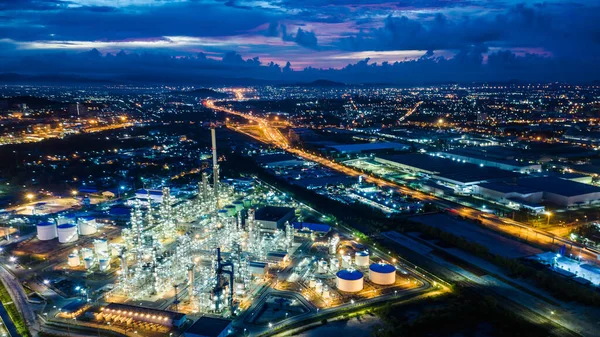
column 461, row 40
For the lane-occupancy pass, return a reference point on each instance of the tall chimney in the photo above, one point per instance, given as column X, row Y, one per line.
column 215, row 165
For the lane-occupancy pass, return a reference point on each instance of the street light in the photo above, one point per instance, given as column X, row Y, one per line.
column 74, row 193
column 549, row 214
column 29, row 196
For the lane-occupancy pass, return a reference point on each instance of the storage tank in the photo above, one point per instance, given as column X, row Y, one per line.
column 319, row 287
column 104, row 264
column 362, row 259
column 46, row 231
column 382, row 273
column 74, row 260
column 349, row 280
column 88, row 262
column 87, row 225
column 101, row 247
column 67, row 233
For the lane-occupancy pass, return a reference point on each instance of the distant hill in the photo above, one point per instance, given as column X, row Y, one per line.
column 203, row 93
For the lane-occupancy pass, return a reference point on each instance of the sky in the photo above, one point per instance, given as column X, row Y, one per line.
column 406, row 41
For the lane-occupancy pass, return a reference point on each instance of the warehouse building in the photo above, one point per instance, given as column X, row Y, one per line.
column 563, row 192
column 496, row 156
column 273, row 218
column 368, row 147
column 209, row 327
column 461, row 176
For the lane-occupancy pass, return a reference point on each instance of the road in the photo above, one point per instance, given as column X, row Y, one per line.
column 547, row 240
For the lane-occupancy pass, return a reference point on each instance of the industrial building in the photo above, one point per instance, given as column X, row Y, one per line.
column 149, row 195
column 459, row 175
column 272, row 217
column 279, row 160
column 368, row 148
column 496, row 156
column 125, row 312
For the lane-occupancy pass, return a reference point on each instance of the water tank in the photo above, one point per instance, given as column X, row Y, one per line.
column 104, row 264
column 87, row 225
column 382, row 273
column 74, row 260
column 362, row 259
column 88, row 262
column 67, row 233
column 349, row 280
column 46, row 231
column 222, row 213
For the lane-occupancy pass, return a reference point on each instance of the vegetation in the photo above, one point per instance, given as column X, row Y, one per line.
column 460, row 313
column 13, row 312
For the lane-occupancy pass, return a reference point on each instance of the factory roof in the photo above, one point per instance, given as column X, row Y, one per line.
column 125, row 307
column 151, row 192
column 558, row 186
column 272, row 213
column 73, row 306
column 449, row 169
column 483, row 155
column 349, row 274
column 368, row 147
column 315, row 227
column 208, row 326
column 383, row 268
column 509, row 188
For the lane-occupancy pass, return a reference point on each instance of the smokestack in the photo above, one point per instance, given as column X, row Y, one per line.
column 215, row 165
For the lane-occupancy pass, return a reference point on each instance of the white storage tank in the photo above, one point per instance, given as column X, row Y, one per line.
column 319, row 287
column 101, row 247
column 349, row 280
column 382, row 273
column 362, row 259
column 87, row 225
column 46, row 231
column 104, row 264
column 88, row 262
column 67, row 233
column 74, row 260
column 239, row 205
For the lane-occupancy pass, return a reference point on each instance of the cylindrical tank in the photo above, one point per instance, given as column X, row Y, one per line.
column 67, row 233
column 74, row 260
column 222, row 213
column 86, row 253
column 87, row 225
column 382, row 273
column 362, row 259
column 104, row 264
column 322, row 267
column 346, row 261
column 101, row 247
column 88, row 262
column 46, row 231
column 67, row 219
column 312, row 283
column 247, row 203
column 349, row 280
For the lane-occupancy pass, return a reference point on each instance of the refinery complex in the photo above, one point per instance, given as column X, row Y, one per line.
column 238, row 253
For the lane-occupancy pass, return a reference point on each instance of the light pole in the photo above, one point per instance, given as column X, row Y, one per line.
column 549, row 214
